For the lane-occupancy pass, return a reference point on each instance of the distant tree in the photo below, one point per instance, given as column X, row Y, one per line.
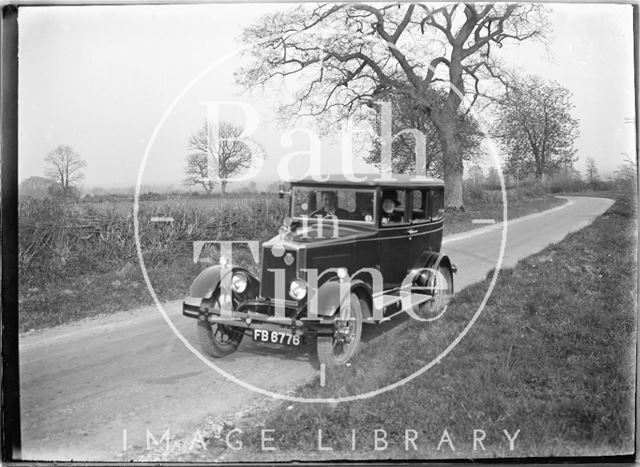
column 272, row 187
column 233, row 157
column 197, row 169
column 567, row 172
column 535, row 127
column 65, row 167
column 251, row 187
column 476, row 174
column 493, row 179
column 592, row 171
column 566, row 178
column 628, row 169
column 626, row 183
column 98, row 191
column 36, row 187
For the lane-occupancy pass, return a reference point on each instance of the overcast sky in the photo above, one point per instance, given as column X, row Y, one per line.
column 100, row 78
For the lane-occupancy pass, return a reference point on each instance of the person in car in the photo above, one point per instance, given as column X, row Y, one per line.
column 329, row 206
column 389, row 204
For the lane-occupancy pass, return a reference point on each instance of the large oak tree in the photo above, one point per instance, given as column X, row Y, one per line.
column 405, row 145
column 341, row 56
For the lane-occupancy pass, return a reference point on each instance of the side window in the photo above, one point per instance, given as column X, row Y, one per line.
column 347, row 200
column 419, row 210
column 437, row 204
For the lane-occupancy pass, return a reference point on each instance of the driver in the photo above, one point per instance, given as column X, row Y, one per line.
column 329, row 208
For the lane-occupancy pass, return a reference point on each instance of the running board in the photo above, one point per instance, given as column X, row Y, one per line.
column 390, row 299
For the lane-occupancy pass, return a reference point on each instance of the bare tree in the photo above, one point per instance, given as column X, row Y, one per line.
column 592, row 171
column 197, row 172
column 346, row 55
column 535, row 127
column 232, row 157
column 65, row 167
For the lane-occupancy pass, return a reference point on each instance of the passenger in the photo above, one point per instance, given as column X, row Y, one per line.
column 389, row 204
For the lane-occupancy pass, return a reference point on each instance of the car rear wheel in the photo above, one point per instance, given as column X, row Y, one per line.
column 441, row 280
column 342, row 345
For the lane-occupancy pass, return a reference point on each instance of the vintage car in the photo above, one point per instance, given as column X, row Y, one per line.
column 348, row 253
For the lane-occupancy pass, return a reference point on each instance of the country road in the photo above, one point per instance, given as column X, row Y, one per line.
column 83, row 384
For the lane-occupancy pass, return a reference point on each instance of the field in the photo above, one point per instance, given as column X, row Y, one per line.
column 553, row 356
column 80, row 260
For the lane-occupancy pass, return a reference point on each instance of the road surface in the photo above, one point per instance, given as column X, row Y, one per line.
column 84, row 384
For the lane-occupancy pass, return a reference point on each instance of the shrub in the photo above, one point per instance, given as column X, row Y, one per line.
column 58, row 242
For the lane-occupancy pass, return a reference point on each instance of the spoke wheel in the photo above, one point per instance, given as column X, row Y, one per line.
column 218, row 340
column 441, row 280
column 340, row 347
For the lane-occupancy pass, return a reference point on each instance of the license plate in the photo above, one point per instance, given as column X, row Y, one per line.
column 275, row 337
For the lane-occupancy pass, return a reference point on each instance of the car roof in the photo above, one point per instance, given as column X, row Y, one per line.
column 371, row 179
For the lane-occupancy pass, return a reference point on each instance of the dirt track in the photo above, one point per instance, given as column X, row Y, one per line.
column 83, row 384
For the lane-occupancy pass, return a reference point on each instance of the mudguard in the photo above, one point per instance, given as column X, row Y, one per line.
column 433, row 260
column 329, row 296
column 208, row 282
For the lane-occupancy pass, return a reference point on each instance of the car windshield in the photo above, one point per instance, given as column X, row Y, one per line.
column 343, row 203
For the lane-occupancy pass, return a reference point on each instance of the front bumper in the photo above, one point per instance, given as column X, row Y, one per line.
column 259, row 314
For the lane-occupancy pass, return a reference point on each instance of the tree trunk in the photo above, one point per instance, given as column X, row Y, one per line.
column 447, row 123
column 452, row 166
column 223, row 187
column 539, row 161
column 539, row 171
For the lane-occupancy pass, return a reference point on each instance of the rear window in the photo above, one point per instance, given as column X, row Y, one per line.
column 437, row 204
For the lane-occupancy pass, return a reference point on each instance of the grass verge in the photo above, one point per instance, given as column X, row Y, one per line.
column 552, row 358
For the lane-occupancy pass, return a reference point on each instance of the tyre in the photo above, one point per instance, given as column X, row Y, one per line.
column 342, row 345
column 441, row 280
column 218, row 340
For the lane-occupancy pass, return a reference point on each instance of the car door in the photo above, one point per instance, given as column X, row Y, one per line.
column 393, row 245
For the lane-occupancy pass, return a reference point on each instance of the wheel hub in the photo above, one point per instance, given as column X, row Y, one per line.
column 343, row 332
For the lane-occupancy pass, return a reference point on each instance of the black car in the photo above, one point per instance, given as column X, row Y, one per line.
column 351, row 252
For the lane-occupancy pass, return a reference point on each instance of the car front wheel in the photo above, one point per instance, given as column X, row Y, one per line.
column 338, row 348
column 216, row 339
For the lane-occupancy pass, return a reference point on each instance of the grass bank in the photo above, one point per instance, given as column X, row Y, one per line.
column 551, row 359
column 78, row 261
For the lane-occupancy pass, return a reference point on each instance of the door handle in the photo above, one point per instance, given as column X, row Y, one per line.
column 412, row 231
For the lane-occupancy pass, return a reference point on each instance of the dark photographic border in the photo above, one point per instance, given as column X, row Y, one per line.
column 9, row 222
column 10, row 395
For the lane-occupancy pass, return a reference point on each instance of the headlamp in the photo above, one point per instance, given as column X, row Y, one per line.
column 298, row 289
column 239, row 282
